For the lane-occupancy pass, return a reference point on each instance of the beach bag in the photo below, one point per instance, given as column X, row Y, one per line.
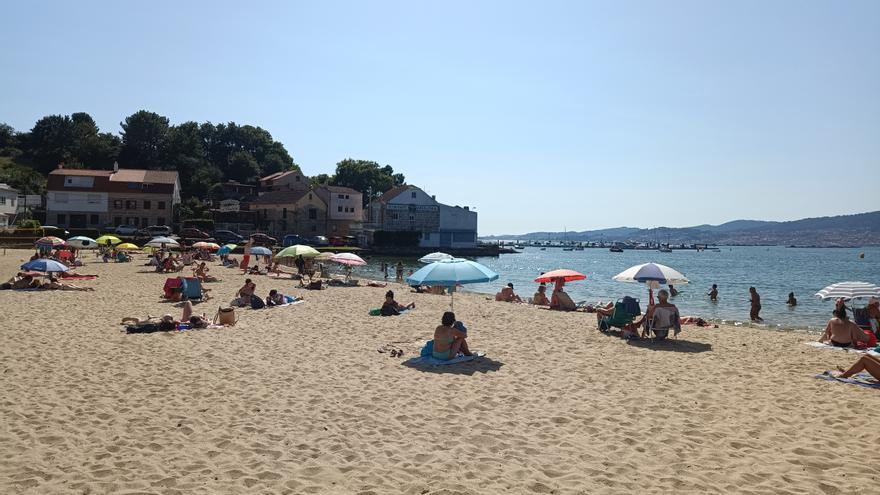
column 631, row 306
column 375, row 312
column 428, row 349
column 257, row 302
column 225, row 316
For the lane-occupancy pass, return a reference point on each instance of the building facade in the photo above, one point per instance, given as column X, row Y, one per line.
column 82, row 198
column 290, row 180
column 410, row 208
column 8, row 204
column 345, row 210
column 290, row 212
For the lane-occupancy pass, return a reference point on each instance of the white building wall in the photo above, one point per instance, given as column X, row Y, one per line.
column 457, row 218
column 76, row 201
column 352, row 207
column 413, row 196
column 8, row 201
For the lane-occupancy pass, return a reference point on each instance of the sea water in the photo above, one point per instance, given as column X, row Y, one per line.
column 773, row 271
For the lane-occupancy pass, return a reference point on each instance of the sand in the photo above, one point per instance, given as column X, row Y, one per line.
column 298, row 400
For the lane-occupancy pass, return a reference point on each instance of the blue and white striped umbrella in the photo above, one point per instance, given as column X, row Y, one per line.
column 261, row 251
column 651, row 274
column 849, row 290
column 44, row 265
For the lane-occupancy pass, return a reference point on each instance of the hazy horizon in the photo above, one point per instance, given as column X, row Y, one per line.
column 565, row 114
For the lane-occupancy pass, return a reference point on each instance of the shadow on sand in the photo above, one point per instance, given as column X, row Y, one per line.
column 672, row 345
column 482, row 364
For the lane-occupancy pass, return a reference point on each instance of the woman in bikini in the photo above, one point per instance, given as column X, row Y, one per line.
column 448, row 340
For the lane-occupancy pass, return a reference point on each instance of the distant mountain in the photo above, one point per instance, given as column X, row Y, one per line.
column 861, row 229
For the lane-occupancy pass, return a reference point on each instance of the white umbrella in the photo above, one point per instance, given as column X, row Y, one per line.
column 438, row 256
column 349, row 259
column 849, row 290
column 653, row 275
column 159, row 241
column 82, row 242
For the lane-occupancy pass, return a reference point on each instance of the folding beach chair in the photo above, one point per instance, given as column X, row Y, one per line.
column 172, row 285
column 625, row 312
column 192, row 289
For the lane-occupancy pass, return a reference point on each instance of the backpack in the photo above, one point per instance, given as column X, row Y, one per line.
column 631, row 306
column 257, row 302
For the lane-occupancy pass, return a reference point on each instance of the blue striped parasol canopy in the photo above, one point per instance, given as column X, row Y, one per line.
column 849, row 290
column 44, row 265
column 261, row 251
column 452, row 272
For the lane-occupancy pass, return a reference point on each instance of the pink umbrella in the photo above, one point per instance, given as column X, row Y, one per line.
column 349, row 259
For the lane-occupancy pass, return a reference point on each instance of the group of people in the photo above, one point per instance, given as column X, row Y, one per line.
column 24, row 280
column 246, row 297
column 398, row 271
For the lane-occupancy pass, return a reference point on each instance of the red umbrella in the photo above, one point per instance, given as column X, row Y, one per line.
column 562, row 274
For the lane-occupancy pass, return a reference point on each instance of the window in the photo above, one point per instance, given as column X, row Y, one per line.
column 134, row 185
column 94, row 220
column 62, row 219
column 93, row 199
column 284, row 213
column 160, row 221
column 131, row 205
column 340, row 196
column 313, row 213
column 160, row 205
column 2, row 200
column 426, row 236
column 12, row 201
column 340, row 209
column 146, row 205
column 412, row 218
column 346, row 196
column 310, row 196
column 145, row 222
column 61, row 197
column 117, row 221
column 117, row 203
column 413, row 195
column 394, row 216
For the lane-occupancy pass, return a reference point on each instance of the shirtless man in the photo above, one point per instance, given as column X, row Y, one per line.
column 840, row 332
column 756, row 305
column 713, row 293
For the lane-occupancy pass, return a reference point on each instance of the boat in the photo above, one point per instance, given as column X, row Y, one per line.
column 543, row 249
column 616, row 249
column 579, row 248
column 519, row 246
column 665, row 249
column 568, row 249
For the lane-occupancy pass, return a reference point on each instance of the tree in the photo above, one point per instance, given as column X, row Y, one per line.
column 144, row 139
column 50, row 142
column 193, row 208
column 366, row 176
column 321, row 180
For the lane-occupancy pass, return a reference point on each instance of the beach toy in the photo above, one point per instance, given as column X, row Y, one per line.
column 376, row 312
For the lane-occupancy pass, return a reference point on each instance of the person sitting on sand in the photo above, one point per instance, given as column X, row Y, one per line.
column 201, row 272
column 275, row 298
column 665, row 316
column 791, row 300
column 713, row 293
column 874, row 315
column 448, row 340
column 508, row 295
column 840, row 332
column 246, row 292
column 391, row 307
column 561, row 301
column 867, row 362
column 540, row 297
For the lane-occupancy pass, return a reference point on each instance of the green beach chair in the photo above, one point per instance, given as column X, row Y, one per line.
column 624, row 313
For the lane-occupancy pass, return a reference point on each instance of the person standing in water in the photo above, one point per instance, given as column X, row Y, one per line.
column 754, row 314
column 792, row 301
column 713, row 293
column 672, row 291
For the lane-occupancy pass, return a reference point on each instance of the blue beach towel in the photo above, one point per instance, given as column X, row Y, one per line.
column 862, row 379
column 430, row 361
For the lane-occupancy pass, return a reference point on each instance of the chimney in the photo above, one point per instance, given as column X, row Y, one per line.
column 467, row 208
column 434, row 197
column 115, row 167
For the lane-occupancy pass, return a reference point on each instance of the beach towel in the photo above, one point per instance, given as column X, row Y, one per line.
column 431, row 361
column 862, row 379
column 821, row 345
column 289, row 303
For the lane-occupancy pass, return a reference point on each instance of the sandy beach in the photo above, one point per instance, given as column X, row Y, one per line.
column 298, row 400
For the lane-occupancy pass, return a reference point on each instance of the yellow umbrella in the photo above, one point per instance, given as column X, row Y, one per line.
column 128, row 245
column 104, row 238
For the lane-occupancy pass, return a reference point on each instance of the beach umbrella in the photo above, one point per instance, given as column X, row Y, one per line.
column 298, row 250
column 261, row 251
column 227, row 248
column 849, row 290
column 325, row 256
column 562, row 274
column 438, row 256
column 49, row 242
column 82, row 242
column 452, row 272
column 210, row 246
column 128, row 246
column 104, row 238
column 652, row 275
column 349, row 259
column 44, row 265
column 159, row 241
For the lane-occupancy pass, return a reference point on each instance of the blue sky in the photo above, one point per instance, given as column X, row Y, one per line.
column 541, row 115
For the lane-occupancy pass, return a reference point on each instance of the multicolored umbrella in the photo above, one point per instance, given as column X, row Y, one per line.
column 44, row 265
column 653, row 275
column 298, row 250
column 49, row 242
column 227, row 248
column 159, row 241
column 849, row 290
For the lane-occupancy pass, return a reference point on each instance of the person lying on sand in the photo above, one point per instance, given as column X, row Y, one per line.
column 54, row 284
column 168, row 323
column 448, row 340
column 278, row 299
column 393, row 308
column 867, row 362
column 840, row 332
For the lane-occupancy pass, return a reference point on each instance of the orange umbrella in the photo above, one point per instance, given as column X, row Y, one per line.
column 562, row 274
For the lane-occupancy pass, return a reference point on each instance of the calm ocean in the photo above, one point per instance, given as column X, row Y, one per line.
column 773, row 271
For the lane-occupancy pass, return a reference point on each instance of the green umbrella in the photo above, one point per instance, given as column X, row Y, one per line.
column 297, row 250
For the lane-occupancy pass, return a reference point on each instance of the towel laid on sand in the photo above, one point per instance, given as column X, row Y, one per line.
column 862, row 379
column 430, row 361
column 821, row 345
column 294, row 303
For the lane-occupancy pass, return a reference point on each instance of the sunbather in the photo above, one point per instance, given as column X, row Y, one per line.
column 275, row 298
column 202, row 273
column 508, row 295
column 840, row 332
column 393, row 308
column 448, row 340
column 246, row 292
column 561, row 301
column 867, row 362
column 540, row 297
column 54, row 284
column 665, row 316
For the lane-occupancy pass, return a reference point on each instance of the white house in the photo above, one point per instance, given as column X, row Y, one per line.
column 410, row 208
column 345, row 209
column 8, row 204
